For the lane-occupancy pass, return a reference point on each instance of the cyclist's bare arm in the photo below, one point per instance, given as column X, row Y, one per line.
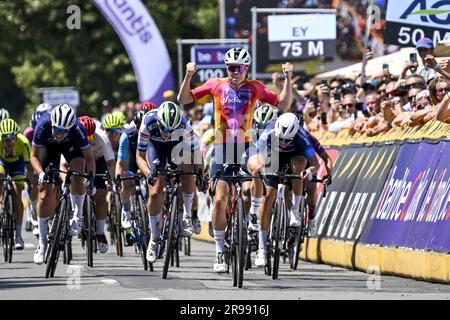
column 90, row 161
column 120, row 166
column 328, row 162
column 34, row 159
column 110, row 164
column 286, row 93
column 30, row 171
column 142, row 162
column 314, row 164
column 184, row 96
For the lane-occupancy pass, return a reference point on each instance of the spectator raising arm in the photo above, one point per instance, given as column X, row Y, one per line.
column 286, row 93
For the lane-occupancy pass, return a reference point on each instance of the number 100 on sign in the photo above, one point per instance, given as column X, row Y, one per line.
column 204, row 75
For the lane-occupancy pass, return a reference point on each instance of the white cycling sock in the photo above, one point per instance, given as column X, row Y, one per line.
column 219, row 238
column 296, row 204
column 78, row 202
column 101, row 226
column 211, row 208
column 187, row 206
column 256, row 202
column 262, row 239
column 154, row 226
column 43, row 224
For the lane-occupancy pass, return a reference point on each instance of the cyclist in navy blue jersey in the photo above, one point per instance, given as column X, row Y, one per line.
column 166, row 136
column 286, row 143
column 56, row 133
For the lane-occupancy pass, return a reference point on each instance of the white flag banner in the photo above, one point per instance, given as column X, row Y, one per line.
column 144, row 45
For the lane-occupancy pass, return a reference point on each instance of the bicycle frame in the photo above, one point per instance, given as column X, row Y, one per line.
column 170, row 232
column 59, row 230
column 236, row 230
column 303, row 229
column 139, row 218
column 278, row 232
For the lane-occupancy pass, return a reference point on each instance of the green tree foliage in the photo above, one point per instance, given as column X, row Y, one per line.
column 38, row 50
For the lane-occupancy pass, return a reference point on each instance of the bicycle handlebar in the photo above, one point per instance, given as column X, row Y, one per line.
column 136, row 176
column 69, row 172
column 236, row 178
column 282, row 176
column 9, row 178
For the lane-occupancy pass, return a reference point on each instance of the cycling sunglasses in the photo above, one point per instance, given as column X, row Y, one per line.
column 8, row 136
column 239, row 68
column 113, row 130
column 261, row 126
column 90, row 138
column 165, row 130
column 60, row 131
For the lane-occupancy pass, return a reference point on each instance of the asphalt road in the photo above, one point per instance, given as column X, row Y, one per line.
column 115, row 277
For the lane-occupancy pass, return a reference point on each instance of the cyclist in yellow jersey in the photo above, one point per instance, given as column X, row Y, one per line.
column 14, row 159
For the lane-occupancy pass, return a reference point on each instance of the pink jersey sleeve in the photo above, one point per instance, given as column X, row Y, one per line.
column 265, row 94
column 28, row 133
column 204, row 89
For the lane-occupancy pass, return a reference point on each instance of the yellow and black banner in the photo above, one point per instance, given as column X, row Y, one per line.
column 360, row 175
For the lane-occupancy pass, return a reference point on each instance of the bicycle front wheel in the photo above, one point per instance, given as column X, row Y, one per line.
column 280, row 214
column 300, row 235
column 90, row 224
column 68, row 251
column 7, row 227
column 187, row 246
column 168, row 250
column 242, row 242
column 55, row 239
column 117, row 225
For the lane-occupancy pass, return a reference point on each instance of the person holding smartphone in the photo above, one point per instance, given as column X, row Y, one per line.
column 424, row 47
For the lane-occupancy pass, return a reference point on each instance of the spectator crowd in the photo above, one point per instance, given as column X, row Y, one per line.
column 383, row 101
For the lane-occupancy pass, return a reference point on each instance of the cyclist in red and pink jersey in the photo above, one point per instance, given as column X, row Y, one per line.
column 234, row 99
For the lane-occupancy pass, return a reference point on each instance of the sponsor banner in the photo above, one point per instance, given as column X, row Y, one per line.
column 55, row 96
column 346, row 171
column 144, row 45
column 301, row 36
column 211, row 56
column 298, row 27
column 409, row 20
column 365, row 193
column 436, row 206
column 210, row 61
column 408, row 35
column 345, row 211
column 413, row 208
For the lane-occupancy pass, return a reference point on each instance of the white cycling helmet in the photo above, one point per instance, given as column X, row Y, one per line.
column 63, row 116
column 44, row 107
column 287, row 126
column 4, row 114
column 238, row 56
